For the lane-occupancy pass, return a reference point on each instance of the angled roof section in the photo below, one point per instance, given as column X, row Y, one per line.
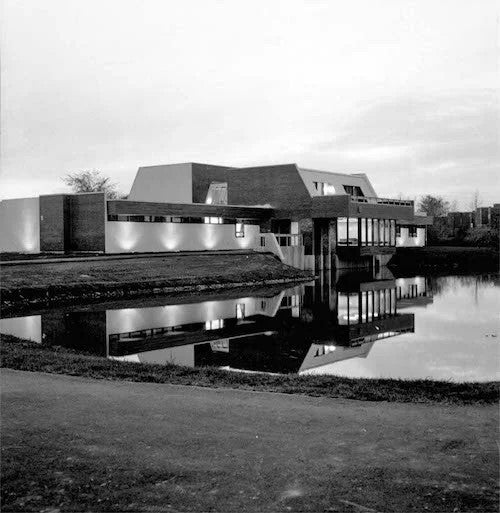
column 337, row 180
column 279, row 186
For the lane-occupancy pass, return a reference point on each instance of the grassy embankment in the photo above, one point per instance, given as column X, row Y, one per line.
column 445, row 258
column 28, row 356
column 63, row 282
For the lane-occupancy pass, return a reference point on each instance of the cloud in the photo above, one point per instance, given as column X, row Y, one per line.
column 444, row 143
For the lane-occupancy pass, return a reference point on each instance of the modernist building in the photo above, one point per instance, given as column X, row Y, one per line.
column 310, row 219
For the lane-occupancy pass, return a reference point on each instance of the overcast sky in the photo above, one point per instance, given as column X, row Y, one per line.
column 405, row 91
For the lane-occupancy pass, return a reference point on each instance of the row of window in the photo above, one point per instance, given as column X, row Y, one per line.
column 366, row 232
column 178, row 219
column 358, row 307
column 327, row 189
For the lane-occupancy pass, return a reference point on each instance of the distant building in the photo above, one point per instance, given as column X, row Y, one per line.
column 487, row 216
column 310, row 219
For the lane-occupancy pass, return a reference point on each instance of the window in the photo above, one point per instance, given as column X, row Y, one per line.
column 328, row 189
column 239, row 230
column 369, row 234
column 213, row 220
column 398, row 230
column 353, row 231
column 240, row 311
column 353, row 190
column 393, row 232
column 324, row 188
column 215, row 324
column 363, row 231
column 342, row 231
column 375, row 232
column 412, row 231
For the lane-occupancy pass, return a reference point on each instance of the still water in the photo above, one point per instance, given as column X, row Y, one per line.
column 355, row 325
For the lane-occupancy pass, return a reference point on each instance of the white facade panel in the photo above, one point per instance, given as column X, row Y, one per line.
column 405, row 241
column 27, row 328
column 171, row 183
column 130, row 237
column 20, row 225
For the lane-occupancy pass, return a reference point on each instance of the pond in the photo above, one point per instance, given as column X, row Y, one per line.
column 343, row 324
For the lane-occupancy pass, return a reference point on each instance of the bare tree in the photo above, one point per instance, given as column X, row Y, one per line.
column 90, row 181
column 476, row 201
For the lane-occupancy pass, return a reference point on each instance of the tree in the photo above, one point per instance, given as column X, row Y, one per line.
column 435, row 206
column 90, row 181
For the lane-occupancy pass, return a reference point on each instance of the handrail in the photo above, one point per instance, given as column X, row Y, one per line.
column 288, row 239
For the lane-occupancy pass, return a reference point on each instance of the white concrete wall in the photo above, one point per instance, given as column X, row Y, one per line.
column 20, row 225
column 405, row 241
column 270, row 245
column 130, row 237
column 29, row 328
column 135, row 319
column 172, row 183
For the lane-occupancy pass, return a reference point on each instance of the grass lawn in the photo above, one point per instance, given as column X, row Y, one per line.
column 79, row 444
column 118, row 278
column 29, row 356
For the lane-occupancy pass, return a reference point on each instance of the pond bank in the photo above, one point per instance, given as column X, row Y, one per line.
column 89, row 280
column 28, row 356
column 445, row 258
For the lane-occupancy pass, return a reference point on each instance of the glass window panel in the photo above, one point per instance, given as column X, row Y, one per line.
column 376, row 303
column 369, row 308
column 343, row 308
column 393, row 232
column 328, row 189
column 382, row 302
column 353, row 308
column 342, row 231
column 375, row 232
column 363, row 231
column 381, row 232
column 369, row 235
column 364, row 306
column 353, row 232
column 387, row 237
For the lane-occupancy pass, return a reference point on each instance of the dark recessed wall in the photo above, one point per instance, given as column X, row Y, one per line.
column 72, row 222
column 203, row 175
column 86, row 222
column 53, row 222
column 279, row 186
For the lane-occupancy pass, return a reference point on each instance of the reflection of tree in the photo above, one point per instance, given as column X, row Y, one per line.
column 445, row 284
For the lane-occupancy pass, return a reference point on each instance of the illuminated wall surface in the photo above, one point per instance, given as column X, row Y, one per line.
column 406, row 241
column 123, row 237
column 20, row 225
column 29, row 328
column 135, row 319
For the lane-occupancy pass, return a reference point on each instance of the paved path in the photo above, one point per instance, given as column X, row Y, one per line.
column 175, row 448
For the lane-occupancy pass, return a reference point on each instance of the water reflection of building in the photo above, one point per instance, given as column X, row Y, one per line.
column 300, row 329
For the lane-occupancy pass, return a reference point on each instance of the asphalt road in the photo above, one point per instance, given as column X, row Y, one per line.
column 71, row 443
